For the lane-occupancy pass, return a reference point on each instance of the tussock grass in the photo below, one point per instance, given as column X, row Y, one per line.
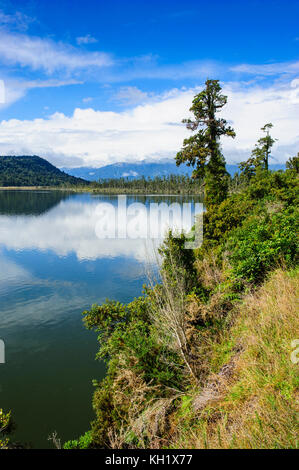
column 253, row 400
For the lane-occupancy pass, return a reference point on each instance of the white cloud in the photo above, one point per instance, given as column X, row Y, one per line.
column 268, row 69
column 88, row 39
column 46, row 55
column 13, row 90
column 154, row 130
column 130, row 95
column 251, row 108
column 18, row 20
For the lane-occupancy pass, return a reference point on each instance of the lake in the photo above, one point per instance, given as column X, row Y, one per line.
column 54, row 265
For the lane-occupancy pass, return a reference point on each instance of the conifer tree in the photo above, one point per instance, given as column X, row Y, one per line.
column 262, row 150
column 260, row 154
column 202, row 149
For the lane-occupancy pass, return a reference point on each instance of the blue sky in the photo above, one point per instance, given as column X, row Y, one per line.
column 95, row 82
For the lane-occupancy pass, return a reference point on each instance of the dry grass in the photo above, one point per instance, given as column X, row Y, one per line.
column 255, row 405
column 210, row 274
column 170, row 315
column 146, row 418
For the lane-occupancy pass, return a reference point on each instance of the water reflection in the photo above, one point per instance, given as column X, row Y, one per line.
column 29, row 202
column 70, row 227
column 52, row 267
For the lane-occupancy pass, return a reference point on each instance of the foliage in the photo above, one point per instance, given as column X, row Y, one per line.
column 84, row 442
column 264, row 242
column 178, row 262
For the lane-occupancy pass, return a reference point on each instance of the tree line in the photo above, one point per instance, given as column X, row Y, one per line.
column 170, row 184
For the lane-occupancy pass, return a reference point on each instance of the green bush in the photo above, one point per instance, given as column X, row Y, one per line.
column 84, row 442
column 263, row 243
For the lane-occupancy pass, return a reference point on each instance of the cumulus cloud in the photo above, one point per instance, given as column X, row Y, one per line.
column 154, row 130
column 250, row 108
column 47, row 55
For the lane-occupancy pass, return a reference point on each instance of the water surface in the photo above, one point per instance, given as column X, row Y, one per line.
column 52, row 267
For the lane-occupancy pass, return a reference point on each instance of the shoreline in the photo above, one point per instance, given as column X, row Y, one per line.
column 93, row 190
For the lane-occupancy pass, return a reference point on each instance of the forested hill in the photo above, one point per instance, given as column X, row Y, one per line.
column 33, row 171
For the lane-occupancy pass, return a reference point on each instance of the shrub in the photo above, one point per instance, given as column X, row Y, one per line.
column 84, row 442
column 262, row 243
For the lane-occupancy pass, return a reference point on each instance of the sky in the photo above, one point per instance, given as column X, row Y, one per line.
column 90, row 83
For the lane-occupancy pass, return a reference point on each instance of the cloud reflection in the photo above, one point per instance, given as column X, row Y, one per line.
column 70, row 228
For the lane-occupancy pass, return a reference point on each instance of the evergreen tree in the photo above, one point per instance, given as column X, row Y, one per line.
column 262, row 150
column 260, row 154
column 202, row 149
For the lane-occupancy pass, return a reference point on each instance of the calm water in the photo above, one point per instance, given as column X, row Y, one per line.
column 52, row 267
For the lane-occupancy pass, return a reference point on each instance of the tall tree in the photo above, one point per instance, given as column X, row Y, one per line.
column 262, row 150
column 202, row 149
column 260, row 154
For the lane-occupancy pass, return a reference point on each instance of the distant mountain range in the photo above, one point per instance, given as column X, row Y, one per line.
column 139, row 169
column 129, row 170
column 33, row 171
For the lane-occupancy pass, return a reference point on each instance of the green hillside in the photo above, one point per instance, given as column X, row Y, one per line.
column 33, row 171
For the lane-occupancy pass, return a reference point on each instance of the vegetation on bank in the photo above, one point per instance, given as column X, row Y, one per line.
column 203, row 358
column 171, row 184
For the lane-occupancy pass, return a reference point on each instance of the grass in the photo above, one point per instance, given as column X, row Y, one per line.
column 252, row 402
